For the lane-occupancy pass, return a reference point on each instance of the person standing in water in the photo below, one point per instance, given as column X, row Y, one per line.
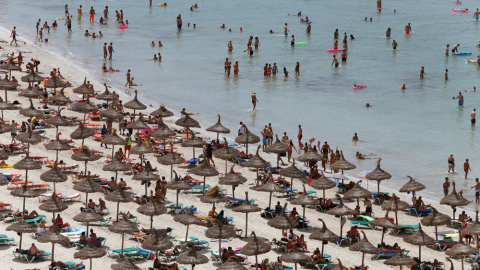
column 68, row 23
column 92, row 14
column 446, row 74
column 408, row 29
column 335, row 61
column 254, row 101
column 447, row 49
column 179, row 21
column 466, row 167
column 460, row 99
column 394, row 44
column 105, row 52
column 473, row 114
column 286, row 29
column 476, row 14
column 80, row 13
column 300, row 135
column 389, row 32
column 110, row 51
column 477, row 190
column 379, row 5
column 451, row 163
column 309, row 27
column 297, row 68
column 422, row 73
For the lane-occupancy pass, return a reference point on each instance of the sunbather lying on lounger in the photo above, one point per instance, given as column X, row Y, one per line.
column 161, row 266
column 62, row 264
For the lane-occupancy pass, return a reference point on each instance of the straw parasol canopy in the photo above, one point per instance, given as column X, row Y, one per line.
column 296, row 257
column 31, row 93
column 55, row 238
column 90, row 252
column 138, row 124
column 461, row 249
column 257, row 162
column 187, row 121
column 31, row 111
column 134, row 104
column 146, row 176
column 435, row 219
column 226, row 153
column 157, row 242
column 123, row 226
column 357, row 192
column 85, row 155
column 247, row 138
column 128, row 264
column 53, row 205
column 220, row 231
column 395, row 204
column 57, row 120
column 177, row 184
column 152, row 208
column 10, row 66
column 87, row 186
column 114, row 139
column 3, row 155
column 191, row 257
column 4, row 106
column 400, row 260
column 8, row 85
column 378, row 175
column 57, row 144
column 384, row 223
column 54, row 82
column 141, row 148
column 27, row 164
column 29, row 136
column 32, row 76
column 473, row 229
column 339, row 266
column 5, row 128
column 282, row 221
column 342, row 164
column 193, row 142
column 88, row 216
column 419, row 238
column 188, row 219
column 454, row 199
column 85, row 107
column 170, row 159
column 304, row 200
column 364, row 246
column 232, row 179
column 213, row 196
column 163, row 132
column 232, row 263
column 162, row 111
column 218, row 128
column 277, row 147
column 107, row 96
column 246, row 208
column 204, row 170
column 255, row 247
column 22, row 227
column 310, row 156
column 82, row 132
column 116, row 166
column 270, row 187
column 119, row 196
column 84, row 89
column 110, row 113
column 293, row 172
column 324, row 234
column 60, row 98
column 340, row 210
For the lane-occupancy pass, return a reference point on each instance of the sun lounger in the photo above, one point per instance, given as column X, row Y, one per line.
column 5, row 206
column 39, row 186
column 71, row 198
column 210, row 221
column 445, row 244
column 103, row 223
column 429, row 266
column 364, row 224
column 414, row 211
column 7, row 241
column 473, row 258
column 199, row 244
column 237, row 201
column 35, row 220
column 81, row 267
column 347, row 240
column 174, row 206
column 321, row 266
column 391, row 253
column 127, row 252
column 199, row 187
column 29, row 258
column 406, row 229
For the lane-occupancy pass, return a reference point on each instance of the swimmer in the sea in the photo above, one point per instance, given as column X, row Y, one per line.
column 160, row 44
column 223, row 26
column 271, row 32
column 403, row 87
column 153, row 44
column 155, row 58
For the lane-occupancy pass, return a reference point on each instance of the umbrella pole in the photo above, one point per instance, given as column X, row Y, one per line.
column 225, row 163
column 20, row 244
column 246, row 224
column 194, row 156
column 363, row 259
column 245, row 144
column 396, row 217
column 436, row 234
column 420, row 253
column 53, row 251
column 151, row 222
column 257, row 177
column 23, row 204
column 256, row 261
column 270, row 201
column 203, row 181
column 295, row 266
column 378, row 187
column 118, row 208
column 383, row 234
column 291, row 188
column 171, row 170
column 87, row 229
column 233, row 191
column 341, row 227
column 462, row 262
column 123, row 240
column 146, row 191
column 324, row 194
column 177, row 199
column 303, row 225
column 116, row 176
column 220, row 246
column 85, row 167
column 90, row 263
column 86, row 198
column 322, row 249
column 186, row 235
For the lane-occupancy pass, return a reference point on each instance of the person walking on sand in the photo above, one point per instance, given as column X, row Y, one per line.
column 472, row 117
column 254, row 101
column 466, row 168
column 446, row 186
column 451, row 164
column 460, row 99
column 477, row 190
column 128, row 79
column 92, row 14
column 14, row 36
column 110, row 51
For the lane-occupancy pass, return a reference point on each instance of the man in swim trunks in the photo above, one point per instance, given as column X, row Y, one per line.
column 14, row 36
column 460, row 99
column 105, row 12
column 379, row 5
column 477, row 190
column 451, row 163
column 265, row 134
column 92, row 14
column 254, row 100
column 80, row 12
column 286, row 29
column 128, row 79
column 408, row 29
column 472, row 117
column 447, row 49
column 335, row 61
column 476, row 14
column 300, row 134
column 179, row 21
column 466, row 167
column 110, row 50
column 446, row 186
column 105, row 52
column 270, row 137
column 455, row 48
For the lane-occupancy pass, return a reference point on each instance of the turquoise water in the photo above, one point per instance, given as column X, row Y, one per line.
column 414, row 131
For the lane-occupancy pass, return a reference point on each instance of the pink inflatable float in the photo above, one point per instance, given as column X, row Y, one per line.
column 333, row 50
column 360, row 86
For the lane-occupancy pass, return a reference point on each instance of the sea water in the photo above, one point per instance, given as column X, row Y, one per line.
column 413, row 131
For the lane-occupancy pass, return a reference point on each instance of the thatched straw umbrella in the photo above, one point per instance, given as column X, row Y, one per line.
column 324, row 234
column 106, row 95
column 55, row 238
column 474, row 229
column 232, row 179
column 304, row 200
column 385, row 223
column 191, row 257
column 282, row 221
column 322, row 183
column 114, row 139
column 157, row 242
column 226, row 153
column 218, row 128
column 247, row 138
column 122, row 227
column 22, row 227
column 435, row 219
column 162, row 111
column 128, row 264
column 141, row 149
column 138, row 124
column 4, row 128
column 4, row 106
column 220, row 231
column 87, row 186
column 57, row 145
column 7, row 85
column 395, row 204
column 25, row 192
column 213, row 196
column 255, row 247
column 204, row 170
column 170, row 159
column 292, row 172
column 32, row 76
column 86, row 107
column 188, row 219
column 270, row 187
column 29, row 137
column 31, row 111
column 419, row 238
column 461, row 249
column 357, row 192
column 232, row 263
column 454, row 199
column 3, row 155
column 341, row 210
column 111, row 113
column 187, row 122
column 310, row 156
column 342, row 164
column 85, row 155
column 296, row 257
column 246, row 208
column 194, row 142
column 26, row 164
column 119, row 196
column 152, row 208
column 135, row 105
column 84, row 89
column 88, row 216
column 31, row 92
column 54, row 83
column 116, row 166
column 364, row 246
column 90, row 252
column 57, row 120
column 378, row 175
column 59, row 98
column 278, row 148
column 82, row 132
column 177, row 185
column 257, row 162
column 146, row 176
column 163, row 132
column 53, row 205
column 339, row 266
column 400, row 260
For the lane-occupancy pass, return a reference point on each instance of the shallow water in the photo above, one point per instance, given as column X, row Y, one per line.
column 413, row 131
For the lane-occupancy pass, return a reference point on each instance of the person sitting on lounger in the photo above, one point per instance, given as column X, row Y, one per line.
column 62, row 264
column 59, row 222
column 33, row 250
column 122, row 185
column 368, row 207
column 94, row 239
column 278, row 208
column 314, row 173
column 222, row 218
column 294, row 214
column 301, row 243
column 101, row 205
column 91, row 204
column 41, row 229
column 327, row 203
column 292, row 236
column 112, row 185
column 353, row 232
column 83, row 239
column 212, row 213
column 317, row 257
